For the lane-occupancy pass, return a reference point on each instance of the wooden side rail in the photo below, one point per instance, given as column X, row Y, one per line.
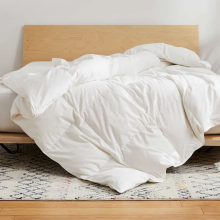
column 15, row 138
column 212, row 140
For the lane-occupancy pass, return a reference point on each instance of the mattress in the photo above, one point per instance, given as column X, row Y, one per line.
column 7, row 96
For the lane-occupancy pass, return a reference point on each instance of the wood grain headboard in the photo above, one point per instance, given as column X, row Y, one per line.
column 44, row 42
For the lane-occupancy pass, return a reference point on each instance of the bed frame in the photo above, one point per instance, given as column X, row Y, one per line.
column 44, row 42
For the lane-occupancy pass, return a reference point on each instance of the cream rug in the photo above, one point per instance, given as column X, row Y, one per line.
column 30, row 175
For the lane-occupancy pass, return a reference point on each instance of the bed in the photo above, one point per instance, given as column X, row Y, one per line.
column 118, row 120
column 43, row 42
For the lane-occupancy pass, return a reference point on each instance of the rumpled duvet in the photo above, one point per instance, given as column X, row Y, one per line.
column 119, row 120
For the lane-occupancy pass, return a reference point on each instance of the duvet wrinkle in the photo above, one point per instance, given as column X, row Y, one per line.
column 195, row 126
column 57, row 140
column 82, row 116
column 95, row 99
column 131, row 139
column 119, row 159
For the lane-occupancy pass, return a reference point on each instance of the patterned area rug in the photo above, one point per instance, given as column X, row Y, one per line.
column 30, row 175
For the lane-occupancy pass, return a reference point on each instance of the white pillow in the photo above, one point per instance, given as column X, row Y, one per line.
column 38, row 85
column 176, row 55
column 39, row 66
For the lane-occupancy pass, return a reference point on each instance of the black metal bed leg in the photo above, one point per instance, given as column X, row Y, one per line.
column 210, row 148
column 4, row 147
column 18, row 148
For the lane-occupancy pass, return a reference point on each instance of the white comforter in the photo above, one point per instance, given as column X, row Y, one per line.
column 119, row 120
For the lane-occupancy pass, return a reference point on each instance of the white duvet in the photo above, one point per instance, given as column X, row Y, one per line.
column 119, row 120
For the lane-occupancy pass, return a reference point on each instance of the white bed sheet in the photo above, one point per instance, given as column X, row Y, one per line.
column 215, row 130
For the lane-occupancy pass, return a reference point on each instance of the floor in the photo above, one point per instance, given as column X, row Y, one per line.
column 90, row 210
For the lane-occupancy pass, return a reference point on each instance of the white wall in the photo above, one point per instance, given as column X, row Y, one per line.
column 16, row 13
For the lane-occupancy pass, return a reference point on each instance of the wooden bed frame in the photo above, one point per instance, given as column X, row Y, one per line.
column 44, row 42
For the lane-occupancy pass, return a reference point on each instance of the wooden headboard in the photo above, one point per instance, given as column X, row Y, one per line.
column 44, row 42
